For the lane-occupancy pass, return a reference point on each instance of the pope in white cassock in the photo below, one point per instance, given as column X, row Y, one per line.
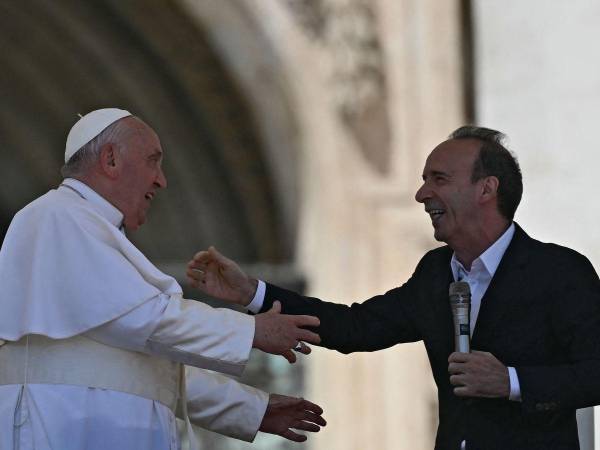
column 94, row 338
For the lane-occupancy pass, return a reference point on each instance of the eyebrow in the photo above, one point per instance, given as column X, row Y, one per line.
column 436, row 173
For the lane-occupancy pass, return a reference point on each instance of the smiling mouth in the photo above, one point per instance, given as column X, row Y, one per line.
column 435, row 214
column 149, row 196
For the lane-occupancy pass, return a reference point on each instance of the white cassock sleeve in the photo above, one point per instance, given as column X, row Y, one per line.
column 195, row 334
column 184, row 331
column 220, row 404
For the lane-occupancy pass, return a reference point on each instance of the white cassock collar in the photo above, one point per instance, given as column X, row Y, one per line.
column 65, row 267
column 103, row 206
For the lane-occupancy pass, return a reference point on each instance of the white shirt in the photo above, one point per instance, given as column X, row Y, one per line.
column 64, row 417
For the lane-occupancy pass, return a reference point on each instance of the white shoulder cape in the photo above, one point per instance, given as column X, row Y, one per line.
column 65, row 269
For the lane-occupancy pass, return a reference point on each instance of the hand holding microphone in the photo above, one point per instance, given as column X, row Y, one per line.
column 476, row 374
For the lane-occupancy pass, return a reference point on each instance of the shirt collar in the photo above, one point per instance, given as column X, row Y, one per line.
column 490, row 258
column 103, row 206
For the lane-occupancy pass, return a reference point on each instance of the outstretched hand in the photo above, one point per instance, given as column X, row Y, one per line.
column 280, row 334
column 478, row 374
column 220, row 277
column 284, row 413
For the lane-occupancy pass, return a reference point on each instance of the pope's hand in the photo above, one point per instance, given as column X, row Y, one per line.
column 280, row 334
column 285, row 412
column 220, row 277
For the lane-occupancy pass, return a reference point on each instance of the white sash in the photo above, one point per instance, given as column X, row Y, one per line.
column 81, row 361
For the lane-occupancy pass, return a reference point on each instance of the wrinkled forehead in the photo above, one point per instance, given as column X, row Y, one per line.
column 138, row 127
column 141, row 135
column 453, row 155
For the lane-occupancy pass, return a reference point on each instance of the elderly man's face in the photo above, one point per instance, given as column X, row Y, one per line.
column 449, row 196
column 141, row 174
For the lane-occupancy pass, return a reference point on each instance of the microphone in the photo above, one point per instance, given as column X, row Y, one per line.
column 460, row 303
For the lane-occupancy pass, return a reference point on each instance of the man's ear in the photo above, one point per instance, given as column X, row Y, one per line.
column 489, row 188
column 109, row 155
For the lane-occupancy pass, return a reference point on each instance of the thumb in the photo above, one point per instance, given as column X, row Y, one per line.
column 276, row 308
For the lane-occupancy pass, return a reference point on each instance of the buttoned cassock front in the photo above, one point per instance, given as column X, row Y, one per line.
column 67, row 270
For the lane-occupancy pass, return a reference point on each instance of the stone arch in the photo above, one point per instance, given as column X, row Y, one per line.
column 62, row 58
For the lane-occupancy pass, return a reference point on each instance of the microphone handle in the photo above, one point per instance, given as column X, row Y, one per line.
column 462, row 344
column 462, row 329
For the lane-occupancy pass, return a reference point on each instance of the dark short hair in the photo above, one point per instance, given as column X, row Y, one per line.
column 495, row 160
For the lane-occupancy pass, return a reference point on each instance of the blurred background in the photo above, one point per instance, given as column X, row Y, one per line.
column 295, row 132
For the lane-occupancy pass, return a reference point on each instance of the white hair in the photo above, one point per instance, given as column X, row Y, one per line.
column 88, row 155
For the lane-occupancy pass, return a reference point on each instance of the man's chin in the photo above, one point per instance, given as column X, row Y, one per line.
column 134, row 225
column 438, row 235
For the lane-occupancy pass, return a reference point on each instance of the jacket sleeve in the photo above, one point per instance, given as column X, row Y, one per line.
column 377, row 323
column 572, row 380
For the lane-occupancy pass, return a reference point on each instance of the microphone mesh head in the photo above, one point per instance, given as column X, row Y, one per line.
column 459, row 288
column 460, row 292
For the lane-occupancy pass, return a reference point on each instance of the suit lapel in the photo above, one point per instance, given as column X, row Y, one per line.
column 440, row 283
column 504, row 290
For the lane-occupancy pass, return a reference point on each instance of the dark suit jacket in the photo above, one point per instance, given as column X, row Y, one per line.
column 540, row 314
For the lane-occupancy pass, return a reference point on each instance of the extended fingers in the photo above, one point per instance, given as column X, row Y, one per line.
column 314, row 418
column 307, row 321
column 306, row 426
column 289, row 434
column 308, row 420
column 289, row 355
column 312, row 407
column 308, row 336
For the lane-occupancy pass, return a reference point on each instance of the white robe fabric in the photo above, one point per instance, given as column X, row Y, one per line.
column 67, row 269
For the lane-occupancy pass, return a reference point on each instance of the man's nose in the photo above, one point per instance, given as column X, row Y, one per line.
column 161, row 180
column 422, row 194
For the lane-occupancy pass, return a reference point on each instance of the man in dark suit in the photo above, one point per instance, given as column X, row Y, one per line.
column 535, row 317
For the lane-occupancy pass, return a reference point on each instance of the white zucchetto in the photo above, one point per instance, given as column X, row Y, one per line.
column 90, row 126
